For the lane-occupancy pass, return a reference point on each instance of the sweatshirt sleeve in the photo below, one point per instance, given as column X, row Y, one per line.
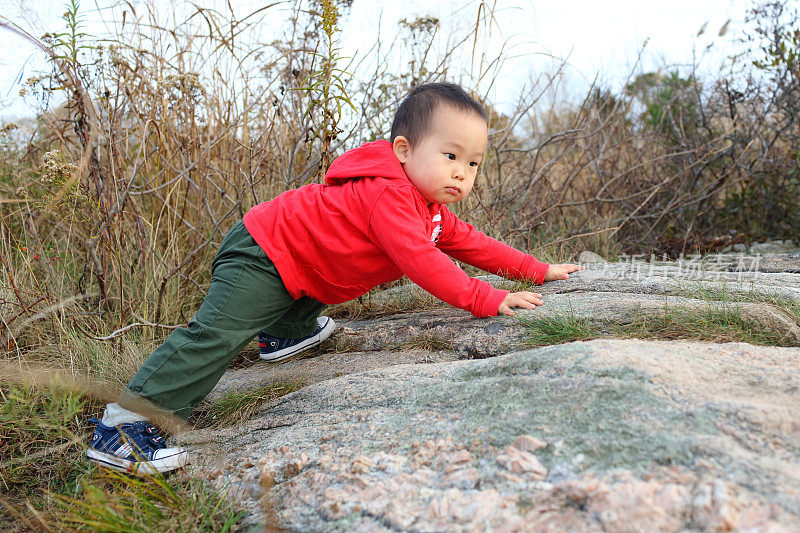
column 397, row 229
column 463, row 242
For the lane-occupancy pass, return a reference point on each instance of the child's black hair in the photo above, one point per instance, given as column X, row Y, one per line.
column 411, row 120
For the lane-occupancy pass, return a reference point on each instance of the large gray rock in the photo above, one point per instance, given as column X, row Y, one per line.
column 449, row 334
column 417, row 421
column 634, row 435
column 314, row 367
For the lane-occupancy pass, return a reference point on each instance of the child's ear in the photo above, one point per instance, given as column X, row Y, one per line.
column 402, row 148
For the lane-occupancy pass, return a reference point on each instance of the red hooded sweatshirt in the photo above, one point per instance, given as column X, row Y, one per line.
column 369, row 225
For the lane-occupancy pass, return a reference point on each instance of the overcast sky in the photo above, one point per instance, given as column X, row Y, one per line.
column 594, row 38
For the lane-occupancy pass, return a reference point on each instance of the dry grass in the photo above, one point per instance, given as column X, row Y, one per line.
column 716, row 324
column 235, row 406
column 398, row 297
column 428, row 341
column 786, row 305
column 43, row 430
column 543, row 331
column 112, row 501
column 721, row 321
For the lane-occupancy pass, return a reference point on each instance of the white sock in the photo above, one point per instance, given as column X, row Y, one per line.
column 115, row 414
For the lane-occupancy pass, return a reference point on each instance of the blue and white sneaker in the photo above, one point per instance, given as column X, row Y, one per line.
column 274, row 349
column 135, row 448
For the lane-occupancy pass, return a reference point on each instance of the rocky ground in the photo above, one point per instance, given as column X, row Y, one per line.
column 436, row 421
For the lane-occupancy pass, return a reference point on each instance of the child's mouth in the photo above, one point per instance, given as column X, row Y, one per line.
column 454, row 190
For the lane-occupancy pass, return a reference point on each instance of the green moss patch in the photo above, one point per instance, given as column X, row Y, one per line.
column 594, row 419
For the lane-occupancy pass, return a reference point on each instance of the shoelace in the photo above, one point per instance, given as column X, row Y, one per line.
column 147, row 430
column 153, row 437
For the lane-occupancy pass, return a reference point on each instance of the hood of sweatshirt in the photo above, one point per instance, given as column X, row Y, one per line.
column 375, row 159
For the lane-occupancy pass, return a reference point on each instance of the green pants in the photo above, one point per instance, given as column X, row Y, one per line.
column 246, row 296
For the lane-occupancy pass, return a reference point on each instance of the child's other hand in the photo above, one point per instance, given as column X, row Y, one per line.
column 560, row 271
column 525, row 299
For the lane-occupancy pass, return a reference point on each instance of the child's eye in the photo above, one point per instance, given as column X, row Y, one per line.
column 473, row 163
column 451, row 157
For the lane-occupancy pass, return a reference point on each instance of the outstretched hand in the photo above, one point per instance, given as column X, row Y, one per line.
column 529, row 300
column 560, row 271
column 525, row 299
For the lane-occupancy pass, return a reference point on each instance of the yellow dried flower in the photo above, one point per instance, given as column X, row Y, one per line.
column 55, row 168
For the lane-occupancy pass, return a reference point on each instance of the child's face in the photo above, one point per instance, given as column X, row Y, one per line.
column 444, row 163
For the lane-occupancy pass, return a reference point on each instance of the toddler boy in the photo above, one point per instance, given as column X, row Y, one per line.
column 380, row 214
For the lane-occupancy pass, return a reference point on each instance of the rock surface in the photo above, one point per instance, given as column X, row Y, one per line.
column 426, row 422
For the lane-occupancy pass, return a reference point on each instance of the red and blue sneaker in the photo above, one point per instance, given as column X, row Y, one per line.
column 135, row 448
column 274, row 349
